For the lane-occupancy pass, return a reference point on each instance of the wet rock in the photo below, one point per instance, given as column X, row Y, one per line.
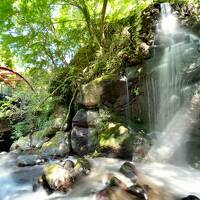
column 190, row 197
column 29, row 160
column 115, row 193
column 84, row 140
column 40, row 182
column 59, row 145
column 138, row 191
column 116, row 189
column 82, row 167
column 69, row 165
column 129, row 170
column 58, row 178
column 114, row 181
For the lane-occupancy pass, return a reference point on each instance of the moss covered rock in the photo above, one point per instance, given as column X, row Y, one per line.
column 59, row 145
column 116, row 140
column 82, row 166
column 106, row 90
column 39, row 138
column 21, row 144
column 58, row 177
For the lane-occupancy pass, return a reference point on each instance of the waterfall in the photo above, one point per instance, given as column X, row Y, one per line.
column 172, row 119
column 127, row 106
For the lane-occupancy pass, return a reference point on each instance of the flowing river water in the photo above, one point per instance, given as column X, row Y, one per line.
column 167, row 181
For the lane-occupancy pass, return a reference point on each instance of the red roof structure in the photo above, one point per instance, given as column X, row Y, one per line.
column 10, row 77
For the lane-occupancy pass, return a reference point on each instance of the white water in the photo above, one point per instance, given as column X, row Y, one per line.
column 16, row 183
column 127, row 106
column 172, row 119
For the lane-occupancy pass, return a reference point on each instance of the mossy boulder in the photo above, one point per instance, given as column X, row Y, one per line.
column 22, row 144
column 39, row 138
column 59, row 145
column 58, row 177
column 116, row 140
column 106, row 90
column 82, row 166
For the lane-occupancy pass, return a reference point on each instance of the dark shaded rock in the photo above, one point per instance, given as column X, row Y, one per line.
column 138, row 191
column 85, row 118
column 29, row 160
column 114, row 181
column 190, row 197
column 115, row 193
column 129, row 170
column 41, row 182
column 69, row 165
column 84, row 140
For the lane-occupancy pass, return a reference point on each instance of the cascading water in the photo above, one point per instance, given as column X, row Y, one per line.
column 171, row 118
column 127, row 107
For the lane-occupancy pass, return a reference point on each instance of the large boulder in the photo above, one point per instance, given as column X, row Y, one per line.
column 84, row 140
column 38, row 138
column 106, row 90
column 58, row 177
column 116, row 140
column 22, row 144
column 86, row 118
column 59, row 145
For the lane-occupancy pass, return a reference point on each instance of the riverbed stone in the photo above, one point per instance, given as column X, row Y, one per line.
column 59, row 145
column 82, row 167
column 111, row 193
column 58, row 177
column 29, row 160
column 138, row 191
column 190, row 197
column 129, row 170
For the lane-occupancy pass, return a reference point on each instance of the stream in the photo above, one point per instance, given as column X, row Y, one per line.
column 176, row 181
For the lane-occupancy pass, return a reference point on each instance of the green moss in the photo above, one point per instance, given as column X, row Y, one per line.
column 104, row 78
column 114, row 136
column 96, row 154
column 54, row 142
column 82, row 163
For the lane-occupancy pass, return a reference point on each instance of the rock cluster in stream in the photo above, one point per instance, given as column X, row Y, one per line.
column 63, row 176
